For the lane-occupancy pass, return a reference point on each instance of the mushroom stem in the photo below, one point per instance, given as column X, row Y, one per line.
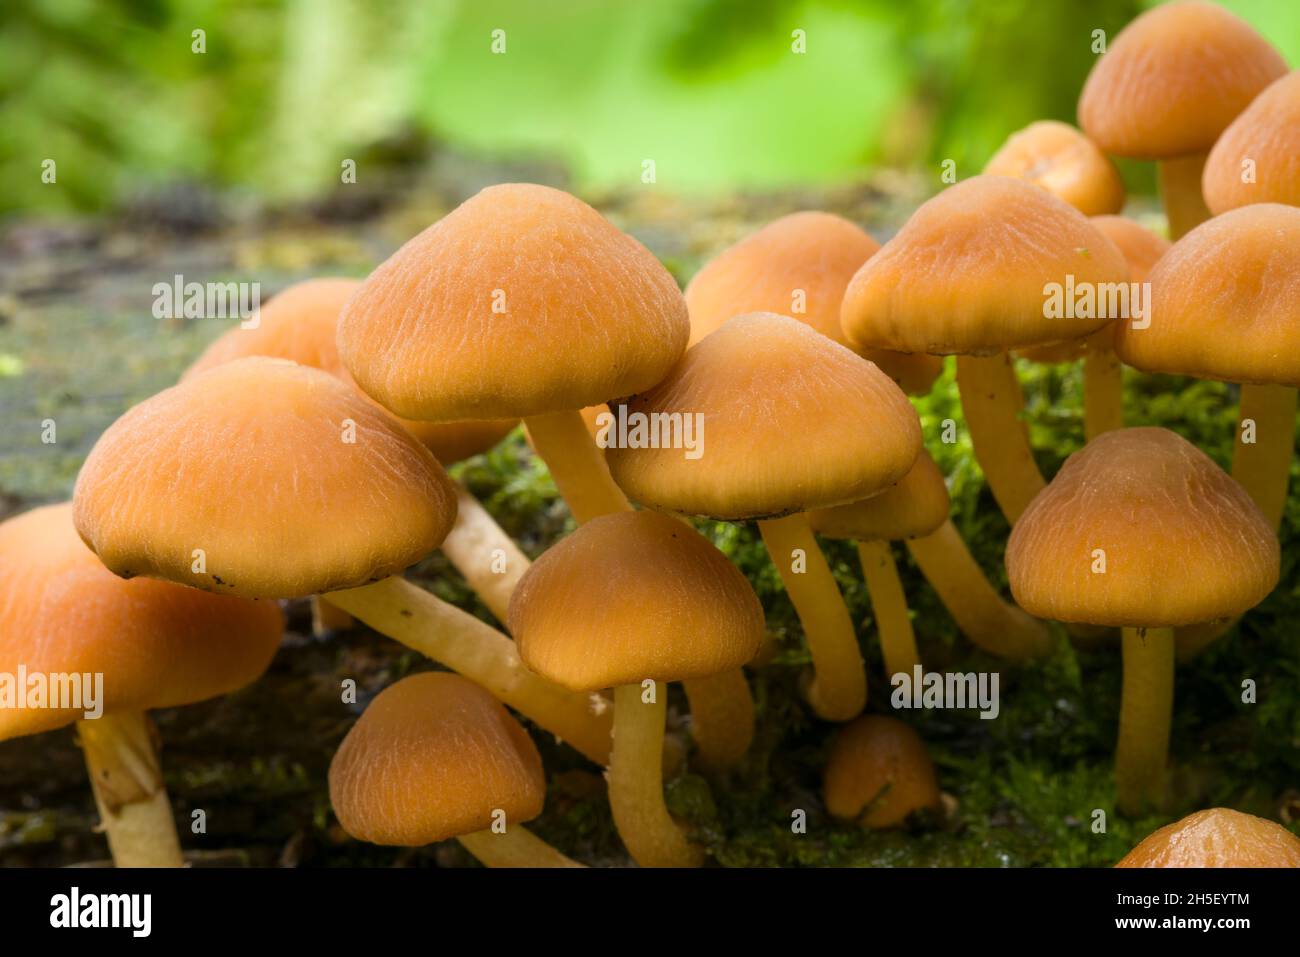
column 838, row 690
column 127, row 780
column 1145, row 714
column 981, row 614
column 1103, row 385
column 889, row 605
column 1180, row 191
column 419, row 620
column 516, row 847
column 992, row 402
column 490, row 561
column 326, row 618
column 722, row 718
column 1264, row 467
column 636, row 789
column 576, row 464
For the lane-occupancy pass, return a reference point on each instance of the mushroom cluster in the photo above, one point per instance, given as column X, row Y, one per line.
column 304, row 459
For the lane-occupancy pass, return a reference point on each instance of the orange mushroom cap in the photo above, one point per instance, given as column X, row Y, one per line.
column 1064, row 162
column 1267, row 136
column 1218, row 837
column 878, row 773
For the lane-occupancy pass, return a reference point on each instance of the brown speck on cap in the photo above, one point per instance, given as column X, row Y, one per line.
column 966, row 274
column 158, row 645
column 1267, row 134
column 1218, row 837
column 585, row 314
column 631, row 596
column 431, row 758
column 814, row 252
column 915, row 507
column 792, row 421
column 1173, row 79
column 1183, row 542
column 247, row 462
column 1225, row 301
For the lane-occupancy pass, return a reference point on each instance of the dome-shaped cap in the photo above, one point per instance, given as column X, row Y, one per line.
column 1064, row 162
column 1173, row 79
column 802, row 261
column 1225, row 301
column 433, row 757
column 1267, row 134
column 523, row 300
column 878, row 773
column 1181, row 541
column 1218, row 837
column 966, row 274
column 300, row 324
column 631, row 596
column 255, row 464
column 1140, row 247
column 915, row 507
column 792, row 422
column 158, row 645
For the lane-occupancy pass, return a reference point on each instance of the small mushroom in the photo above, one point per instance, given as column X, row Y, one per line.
column 266, row 479
column 522, row 302
column 915, row 509
column 967, row 275
column 798, row 266
column 631, row 601
column 878, row 773
column 1218, row 837
column 1267, row 135
column 1064, row 162
column 433, row 757
column 791, row 422
column 1141, row 530
column 1168, row 85
column 152, row 644
column 300, row 324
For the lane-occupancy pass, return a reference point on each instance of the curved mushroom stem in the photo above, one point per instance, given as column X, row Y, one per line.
column 127, row 780
column 1264, row 467
column 722, row 718
column 1180, row 191
column 992, row 402
column 419, row 620
column 576, row 464
column 838, row 690
column 488, row 558
column 889, row 605
column 636, row 789
column 325, row 618
column 1145, row 714
column 981, row 614
column 517, row 847
column 1103, row 385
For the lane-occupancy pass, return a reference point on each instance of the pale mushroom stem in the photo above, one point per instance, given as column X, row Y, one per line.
column 1264, row 467
column 576, row 464
column 488, row 558
column 1145, row 714
column 636, row 789
column 1180, row 191
column 889, row 605
column 325, row 618
column 516, row 847
column 722, row 718
column 838, row 690
column 981, row 614
column 127, row 780
column 992, row 402
column 1103, row 385
column 438, row 630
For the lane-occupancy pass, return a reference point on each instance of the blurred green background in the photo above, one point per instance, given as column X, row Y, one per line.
column 711, row 90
